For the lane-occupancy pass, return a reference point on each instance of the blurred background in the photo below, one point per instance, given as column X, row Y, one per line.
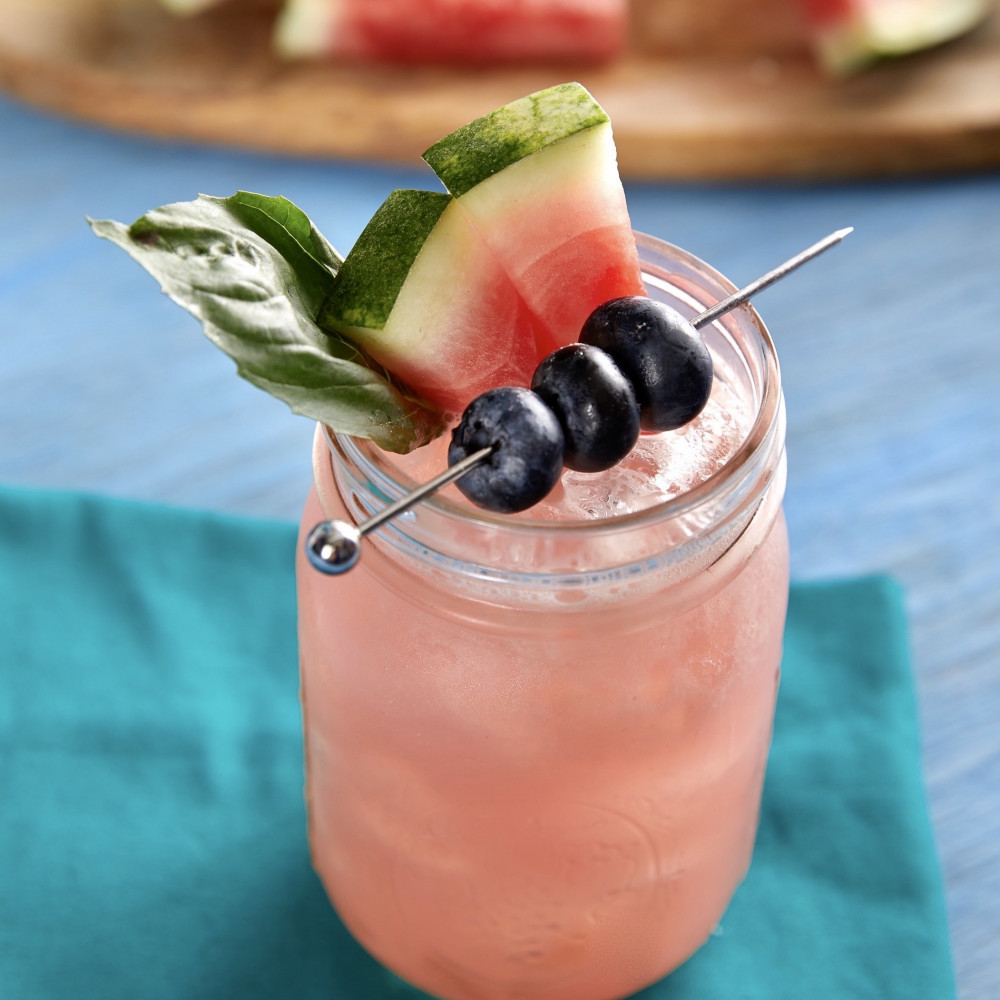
column 742, row 138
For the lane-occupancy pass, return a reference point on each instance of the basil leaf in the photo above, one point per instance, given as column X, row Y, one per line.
column 254, row 271
column 288, row 229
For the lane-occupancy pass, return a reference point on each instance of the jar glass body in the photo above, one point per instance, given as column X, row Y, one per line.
column 535, row 749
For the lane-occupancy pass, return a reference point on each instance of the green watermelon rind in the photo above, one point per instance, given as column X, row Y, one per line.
column 373, row 273
column 484, row 147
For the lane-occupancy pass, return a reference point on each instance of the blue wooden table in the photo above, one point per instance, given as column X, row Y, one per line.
column 890, row 350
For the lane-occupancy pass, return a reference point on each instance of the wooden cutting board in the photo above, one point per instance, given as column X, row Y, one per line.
column 721, row 113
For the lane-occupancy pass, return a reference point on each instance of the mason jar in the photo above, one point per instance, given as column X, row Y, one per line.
column 535, row 744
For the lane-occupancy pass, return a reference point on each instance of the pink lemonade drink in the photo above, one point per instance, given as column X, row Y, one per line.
column 535, row 743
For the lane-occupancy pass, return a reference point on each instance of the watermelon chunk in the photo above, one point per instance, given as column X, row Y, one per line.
column 422, row 294
column 539, row 178
column 453, row 31
column 851, row 33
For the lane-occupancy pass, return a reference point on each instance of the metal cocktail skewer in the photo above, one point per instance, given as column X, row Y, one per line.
column 333, row 547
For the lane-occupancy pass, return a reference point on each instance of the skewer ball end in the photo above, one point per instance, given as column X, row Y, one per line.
column 333, row 547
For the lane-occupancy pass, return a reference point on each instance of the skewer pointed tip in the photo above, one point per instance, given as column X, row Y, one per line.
column 745, row 293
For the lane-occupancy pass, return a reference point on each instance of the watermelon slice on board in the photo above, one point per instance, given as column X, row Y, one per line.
column 422, row 294
column 849, row 34
column 453, row 31
column 539, row 179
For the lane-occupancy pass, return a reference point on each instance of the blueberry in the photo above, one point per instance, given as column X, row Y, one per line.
column 528, row 449
column 660, row 353
column 594, row 403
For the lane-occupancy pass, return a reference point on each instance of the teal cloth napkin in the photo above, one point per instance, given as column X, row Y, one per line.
column 152, row 830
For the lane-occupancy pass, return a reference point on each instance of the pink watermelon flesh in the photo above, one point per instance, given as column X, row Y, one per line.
column 473, row 31
column 567, row 248
column 603, row 262
column 490, row 339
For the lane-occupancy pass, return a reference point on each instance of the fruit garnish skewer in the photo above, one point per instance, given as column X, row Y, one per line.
column 333, row 547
